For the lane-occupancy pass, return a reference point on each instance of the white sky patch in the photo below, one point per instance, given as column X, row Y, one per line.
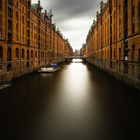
column 76, row 30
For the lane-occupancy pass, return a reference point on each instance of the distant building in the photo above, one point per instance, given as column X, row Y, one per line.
column 83, row 50
column 77, row 52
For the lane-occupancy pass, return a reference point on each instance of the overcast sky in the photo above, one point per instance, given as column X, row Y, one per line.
column 72, row 17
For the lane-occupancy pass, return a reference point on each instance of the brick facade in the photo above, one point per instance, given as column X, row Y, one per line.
column 113, row 41
column 28, row 39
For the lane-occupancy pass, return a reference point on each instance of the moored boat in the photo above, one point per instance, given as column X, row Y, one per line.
column 52, row 68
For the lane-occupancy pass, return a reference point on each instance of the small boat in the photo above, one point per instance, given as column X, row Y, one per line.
column 52, row 68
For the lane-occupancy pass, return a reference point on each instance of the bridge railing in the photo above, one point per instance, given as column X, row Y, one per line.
column 75, row 57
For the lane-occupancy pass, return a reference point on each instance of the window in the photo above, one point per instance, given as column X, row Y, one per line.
column 23, row 9
column 9, row 37
column 120, row 24
column 17, row 53
column 28, row 14
column 119, row 8
column 133, row 53
column 27, row 54
column 17, row 36
column 1, row 57
column 29, row 4
column 9, row 25
column 17, row 16
column 9, row 12
column 22, row 53
column 119, row 53
column 28, row 24
column 36, row 54
column 22, row 25
column 125, row 19
column 17, row 27
column 133, row 19
column 22, row 19
column 28, row 33
column 114, row 53
column 32, row 54
column 23, row 30
column 22, row 39
column 28, row 43
column 9, row 58
column 9, row 55
column 28, row 57
column 17, row 4
column 1, row 53
column 10, row 2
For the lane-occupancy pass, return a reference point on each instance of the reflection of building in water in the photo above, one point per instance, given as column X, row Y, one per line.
column 77, row 60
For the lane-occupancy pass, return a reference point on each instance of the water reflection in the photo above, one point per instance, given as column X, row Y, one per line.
column 77, row 60
column 76, row 103
column 74, row 88
column 68, row 115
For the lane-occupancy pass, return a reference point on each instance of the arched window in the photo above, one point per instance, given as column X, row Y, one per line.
column 27, row 54
column 23, row 54
column 9, row 54
column 36, row 54
column 9, row 59
column 114, row 53
column 133, row 53
column 28, row 57
column 119, row 53
column 17, row 53
column 32, row 54
column 29, row 4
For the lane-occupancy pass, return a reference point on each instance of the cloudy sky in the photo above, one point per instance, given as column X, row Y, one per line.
column 73, row 17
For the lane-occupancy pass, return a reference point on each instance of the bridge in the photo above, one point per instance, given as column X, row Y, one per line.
column 70, row 58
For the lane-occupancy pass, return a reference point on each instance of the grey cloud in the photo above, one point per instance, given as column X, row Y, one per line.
column 73, row 8
column 68, row 10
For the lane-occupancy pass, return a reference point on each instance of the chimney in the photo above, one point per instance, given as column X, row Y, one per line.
column 45, row 13
column 97, row 15
column 101, row 7
column 39, row 3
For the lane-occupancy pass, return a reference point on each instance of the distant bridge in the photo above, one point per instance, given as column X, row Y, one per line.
column 75, row 57
column 69, row 59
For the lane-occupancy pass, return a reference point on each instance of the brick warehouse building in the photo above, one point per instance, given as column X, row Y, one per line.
column 28, row 39
column 113, row 41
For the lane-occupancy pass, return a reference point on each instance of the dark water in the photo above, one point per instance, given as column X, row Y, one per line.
column 76, row 103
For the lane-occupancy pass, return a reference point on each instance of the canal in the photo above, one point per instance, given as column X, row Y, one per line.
column 76, row 103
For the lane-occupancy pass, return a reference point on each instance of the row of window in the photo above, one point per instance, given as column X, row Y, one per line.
column 9, row 54
column 134, row 54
